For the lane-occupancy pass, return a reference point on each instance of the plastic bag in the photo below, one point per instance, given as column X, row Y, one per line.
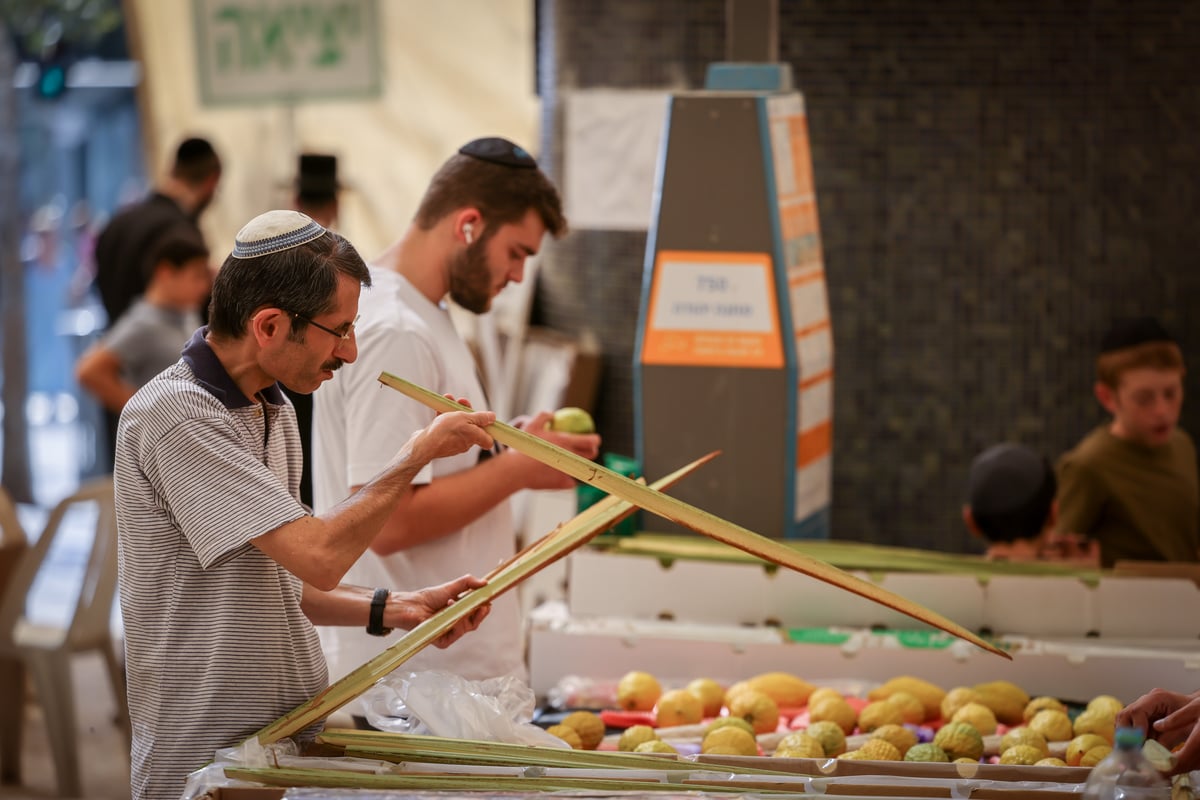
column 445, row 704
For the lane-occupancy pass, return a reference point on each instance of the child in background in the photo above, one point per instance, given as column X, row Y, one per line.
column 1131, row 484
column 151, row 333
column 1010, row 505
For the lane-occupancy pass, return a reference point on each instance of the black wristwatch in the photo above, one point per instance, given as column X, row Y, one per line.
column 375, row 624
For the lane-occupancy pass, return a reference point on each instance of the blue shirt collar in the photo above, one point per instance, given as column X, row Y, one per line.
column 211, row 374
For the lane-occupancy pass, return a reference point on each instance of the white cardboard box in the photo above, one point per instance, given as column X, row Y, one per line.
column 720, row 593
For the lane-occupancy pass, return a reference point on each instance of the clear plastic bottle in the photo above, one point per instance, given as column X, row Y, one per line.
column 1125, row 773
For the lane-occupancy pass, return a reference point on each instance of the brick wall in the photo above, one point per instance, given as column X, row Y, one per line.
column 997, row 181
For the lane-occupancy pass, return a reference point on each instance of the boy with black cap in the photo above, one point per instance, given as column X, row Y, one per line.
column 1010, row 505
column 1132, row 483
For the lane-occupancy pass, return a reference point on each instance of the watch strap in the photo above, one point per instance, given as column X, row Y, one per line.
column 375, row 622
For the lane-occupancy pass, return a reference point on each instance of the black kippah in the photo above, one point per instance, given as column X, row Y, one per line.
column 499, row 151
column 1132, row 332
column 1004, row 477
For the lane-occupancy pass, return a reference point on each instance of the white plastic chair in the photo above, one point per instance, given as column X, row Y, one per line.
column 46, row 650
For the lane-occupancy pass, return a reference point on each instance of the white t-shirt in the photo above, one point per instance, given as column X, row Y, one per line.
column 359, row 425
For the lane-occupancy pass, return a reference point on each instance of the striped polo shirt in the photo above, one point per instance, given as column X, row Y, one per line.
column 216, row 644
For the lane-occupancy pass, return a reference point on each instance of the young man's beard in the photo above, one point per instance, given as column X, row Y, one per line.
column 470, row 279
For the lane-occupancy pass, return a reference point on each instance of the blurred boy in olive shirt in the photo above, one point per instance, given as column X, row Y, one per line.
column 1131, row 484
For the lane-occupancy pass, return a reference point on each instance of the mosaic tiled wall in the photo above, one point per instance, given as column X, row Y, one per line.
column 997, row 181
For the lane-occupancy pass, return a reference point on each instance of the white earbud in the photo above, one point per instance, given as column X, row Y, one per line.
column 467, row 230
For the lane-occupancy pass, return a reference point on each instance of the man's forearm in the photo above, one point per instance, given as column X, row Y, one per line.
column 446, row 505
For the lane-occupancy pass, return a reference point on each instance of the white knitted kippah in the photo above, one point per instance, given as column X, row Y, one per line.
column 274, row 232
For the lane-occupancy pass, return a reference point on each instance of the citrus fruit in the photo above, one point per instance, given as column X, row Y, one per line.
column 877, row 714
column 799, row 745
column 721, row 722
column 898, row 735
column 1080, row 745
column 1041, row 704
column 572, row 420
column 911, row 707
column 1054, row 725
column 678, row 707
column 879, row 750
column 729, row 741
column 1006, row 700
column 1106, row 701
column 1098, row 721
column 978, row 716
column 829, row 734
column 711, row 694
column 927, row 752
column 959, row 740
column 835, row 710
column 567, row 734
column 589, row 727
column 757, row 709
column 1022, row 755
column 634, row 735
column 787, row 690
column 1095, row 755
column 956, row 698
column 1024, row 736
column 929, row 694
column 638, row 691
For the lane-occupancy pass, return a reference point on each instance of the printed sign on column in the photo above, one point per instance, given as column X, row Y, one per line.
column 713, row 310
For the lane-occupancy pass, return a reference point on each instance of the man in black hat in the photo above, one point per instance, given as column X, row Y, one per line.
column 317, row 188
column 1132, row 484
column 316, row 195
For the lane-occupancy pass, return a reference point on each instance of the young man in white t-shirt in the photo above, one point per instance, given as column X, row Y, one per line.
column 484, row 213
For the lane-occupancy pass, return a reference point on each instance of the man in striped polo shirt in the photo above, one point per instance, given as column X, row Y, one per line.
column 223, row 572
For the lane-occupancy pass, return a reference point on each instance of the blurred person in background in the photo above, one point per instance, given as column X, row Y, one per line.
column 151, row 333
column 1010, row 506
column 123, row 247
column 1132, row 483
column 315, row 193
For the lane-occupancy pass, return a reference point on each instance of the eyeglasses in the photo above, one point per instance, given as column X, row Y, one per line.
column 343, row 336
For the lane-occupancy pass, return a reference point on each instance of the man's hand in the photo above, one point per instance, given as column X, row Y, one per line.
column 535, row 474
column 406, row 610
column 1170, row 718
column 451, row 433
column 1072, row 548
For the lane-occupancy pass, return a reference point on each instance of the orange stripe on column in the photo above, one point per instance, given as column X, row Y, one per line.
column 814, row 443
column 807, row 277
column 813, row 380
column 811, row 329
